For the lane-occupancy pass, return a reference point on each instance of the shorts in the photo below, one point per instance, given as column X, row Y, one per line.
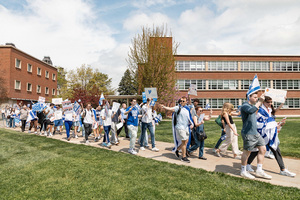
column 252, row 141
column 48, row 122
column 58, row 122
column 182, row 134
column 76, row 123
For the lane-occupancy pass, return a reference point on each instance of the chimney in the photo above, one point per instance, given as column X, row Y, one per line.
column 47, row 60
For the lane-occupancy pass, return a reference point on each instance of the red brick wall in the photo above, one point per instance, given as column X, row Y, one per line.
column 8, row 59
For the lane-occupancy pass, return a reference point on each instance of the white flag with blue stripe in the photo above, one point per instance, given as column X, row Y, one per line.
column 254, row 87
column 101, row 99
column 207, row 106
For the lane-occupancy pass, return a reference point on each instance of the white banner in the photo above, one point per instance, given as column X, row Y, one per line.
column 42, row 99
column 58, row 115
column 276, row 95
column 57, row 101
column 193, row 90
column 67, row 105
column 151, row 93
column 115, row 107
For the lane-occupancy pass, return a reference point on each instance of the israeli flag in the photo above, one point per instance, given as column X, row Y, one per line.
column 207, row 106
column 144, row 97
column 254, row 87
column 101, row 99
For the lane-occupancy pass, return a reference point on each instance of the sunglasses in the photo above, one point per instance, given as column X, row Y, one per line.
column 268, row 101
column 182, row 101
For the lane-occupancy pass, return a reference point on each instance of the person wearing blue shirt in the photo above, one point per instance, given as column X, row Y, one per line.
column 132, row 113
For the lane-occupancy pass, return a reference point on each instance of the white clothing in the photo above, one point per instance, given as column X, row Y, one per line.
column 107, row 121
column 88, row 119
column 146, row 114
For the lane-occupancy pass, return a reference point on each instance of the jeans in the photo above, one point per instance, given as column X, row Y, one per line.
column 197, row 144
column 150, row 128
column 12, row 123
column 68, row 125
column 222, row 138
column 88, row 130
column 106, row 131
column 132, row 134
column 23, row 124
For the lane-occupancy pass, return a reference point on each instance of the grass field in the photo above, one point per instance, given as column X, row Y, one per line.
column 34, row 167
column 289, row 136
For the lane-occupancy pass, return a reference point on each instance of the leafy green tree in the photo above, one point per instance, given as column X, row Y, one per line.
column 127, row 85
column 3, row 89
column 152, row 63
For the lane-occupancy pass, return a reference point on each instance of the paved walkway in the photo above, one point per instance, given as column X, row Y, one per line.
column 226, row 164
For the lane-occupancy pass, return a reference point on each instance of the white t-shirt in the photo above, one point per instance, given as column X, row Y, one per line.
column 146, row 114
column 107, row 121
column 69, row 116
column 88, row 119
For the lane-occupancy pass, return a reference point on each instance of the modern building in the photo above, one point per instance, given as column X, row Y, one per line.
column 226, row 78
column 26, row 77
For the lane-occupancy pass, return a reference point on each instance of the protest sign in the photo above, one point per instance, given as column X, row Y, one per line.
column 58, row 115
column 276, row 95
column 115, row 107
column 42, row 99
column 57, row 101
column 67, row 105
column 144, row 97
column 152, row 103
column 36, row 107
column 76, row 107
column 151, row 93
column 119, row 125
column 193, row 90
column 201, row 117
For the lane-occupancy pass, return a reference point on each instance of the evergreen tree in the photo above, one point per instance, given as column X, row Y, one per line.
column 127, row 85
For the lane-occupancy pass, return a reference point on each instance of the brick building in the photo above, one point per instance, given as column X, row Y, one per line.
column 226, row 78
column 26, row 77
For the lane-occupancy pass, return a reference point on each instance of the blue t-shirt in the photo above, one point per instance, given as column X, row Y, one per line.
column 132, row 118
column 248, row 113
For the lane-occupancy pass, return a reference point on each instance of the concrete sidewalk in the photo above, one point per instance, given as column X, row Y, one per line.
column 213, row 163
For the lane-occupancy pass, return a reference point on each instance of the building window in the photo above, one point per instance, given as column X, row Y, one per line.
column 286, row 66
column 255, row 66
column 18, row 63
column 17, row 85
column 289, row 103
column 29, row 67
column 185, row 84
column 218, row 103
column 286, row 84
column 46, row 90
column 29, row 87
column 263, row 84
column 222, row 66
column 53, row 91
column 53, row 77
column 190, row 65
column 46, row 74
column 39, row 71
column 223, row 84
column 38, row 89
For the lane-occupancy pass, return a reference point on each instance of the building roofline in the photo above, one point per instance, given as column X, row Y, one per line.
column 10, row 46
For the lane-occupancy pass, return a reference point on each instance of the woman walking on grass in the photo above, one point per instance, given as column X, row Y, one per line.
column 230, row 130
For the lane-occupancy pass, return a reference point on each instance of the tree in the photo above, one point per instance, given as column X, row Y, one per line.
column 127, row 85
column 151, row 61
column 62, row 83
column 3, row 90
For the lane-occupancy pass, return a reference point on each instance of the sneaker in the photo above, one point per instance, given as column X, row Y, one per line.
column 109, row 145
column 185, row 159
column 96, row 139
column 262, row 174
column 249, row 168
column 214, row 150
column 29, row 131
column 218, row 154
column 287, row 173
column 177, row 153
column 87, row 142
column 50, row 135
column 117, row 143
column 247, row 175
column 132, row 151
column 237, row 157
column 35, row 132
column 148, row 147
column 54, row 132
column 142, row 148
column 76, row 136
column 155, row 149
column 40, row 133
column 45, row 133
column 104, row 144
column 69, row 138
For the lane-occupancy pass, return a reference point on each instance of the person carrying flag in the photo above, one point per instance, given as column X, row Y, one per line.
column 183, row 123
column 251, row 138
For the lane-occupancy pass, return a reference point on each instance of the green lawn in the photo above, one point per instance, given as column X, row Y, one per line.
column 289, row 136
column 34, row 167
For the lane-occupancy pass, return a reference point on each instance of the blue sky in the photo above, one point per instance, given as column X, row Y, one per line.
column 99, row 33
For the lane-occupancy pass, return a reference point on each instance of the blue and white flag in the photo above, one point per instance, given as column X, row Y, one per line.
column 158, row 118
column 144, row 97
column 31, row 116
column 101, row 99
column 152, row 103
column 76, row 108
column 36, row 107
column 254, row 87
column 207, row 106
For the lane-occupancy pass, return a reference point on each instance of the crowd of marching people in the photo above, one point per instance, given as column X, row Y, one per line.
column 259, row 132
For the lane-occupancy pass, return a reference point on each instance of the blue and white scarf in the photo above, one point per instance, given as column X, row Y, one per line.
column 267, row 127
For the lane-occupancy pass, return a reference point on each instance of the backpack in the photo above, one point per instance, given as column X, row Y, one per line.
column 175, row 116
column 219, row 121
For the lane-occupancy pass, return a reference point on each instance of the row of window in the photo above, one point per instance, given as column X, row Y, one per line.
column 234, row 84
column 233, row 66
column 218, row 103
column 39, row 70
column 29, row 88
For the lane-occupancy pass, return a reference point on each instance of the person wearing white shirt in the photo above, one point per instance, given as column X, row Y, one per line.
column 124, row 120
column 69, row 118
column 147, row 124
column 88, row 120
column 106, row 115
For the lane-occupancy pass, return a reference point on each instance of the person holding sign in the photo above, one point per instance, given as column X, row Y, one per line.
column 88, row 120
column 69, row 118
column 147, row 124
column 230, row 130
column 132, row 113
column 49, row 112
column 106, row 114
column 269, row 130
column 124, row 121
column 58, row 122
